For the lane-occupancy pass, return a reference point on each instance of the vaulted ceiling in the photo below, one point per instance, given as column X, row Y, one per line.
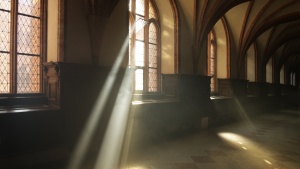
column 271, row 25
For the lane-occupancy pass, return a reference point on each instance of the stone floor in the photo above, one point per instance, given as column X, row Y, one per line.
column 269, row 141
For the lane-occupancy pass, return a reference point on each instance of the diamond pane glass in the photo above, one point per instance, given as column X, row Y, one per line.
column 4, row 31
column 152, row 80
column 212, row 61
column 152, row 34
column 28, row 74
column 212, row 84
column 152, row 13
column 5, row 4
column 140, row 7
column 29, row 7
column 28, row 35
column 144, row 74
column 152, row 56
column 139, row 75
column 139, row 53
column 139, row 29
column 212, row 66
column 212, row 50
column 4, row 73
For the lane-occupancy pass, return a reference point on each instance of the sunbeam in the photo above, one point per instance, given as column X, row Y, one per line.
column 243, row 114
column 88, row 131
column 110, row 152
column 97, row 111
column 253, row 149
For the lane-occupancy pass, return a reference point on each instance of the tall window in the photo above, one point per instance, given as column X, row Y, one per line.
column 293, row 79
column 211, row 60
column 20, row 46
column 144, row 52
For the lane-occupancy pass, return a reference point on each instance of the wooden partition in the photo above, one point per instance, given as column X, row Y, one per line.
column 186, row 88
column 232, row 87
column 170, row 86
column 194, row 88
column 257, row 89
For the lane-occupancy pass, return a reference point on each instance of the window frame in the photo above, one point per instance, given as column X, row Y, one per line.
column 13, row 96
column 155, row 22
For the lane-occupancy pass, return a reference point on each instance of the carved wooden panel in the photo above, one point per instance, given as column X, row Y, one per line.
column 232, row 87
column 52, row 82
column 187, row 88
column 170, row 86
column 225, row 87
column 253, row 89
column 194, row 88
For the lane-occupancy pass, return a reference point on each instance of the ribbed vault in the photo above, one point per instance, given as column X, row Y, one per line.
column 273, row 25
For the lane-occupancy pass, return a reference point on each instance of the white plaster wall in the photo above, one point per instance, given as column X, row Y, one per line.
column 167, row 36
column 115, row 35
column 186, row 10
column 282, row 75
column 251, row 64
column 269, row 71
column 221, row 50
column 52, row 27
column 78, row 45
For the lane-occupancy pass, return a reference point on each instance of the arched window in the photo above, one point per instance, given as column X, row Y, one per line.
column 293, row 79
column 21, row 52
column 211, row 59
column 144, row 46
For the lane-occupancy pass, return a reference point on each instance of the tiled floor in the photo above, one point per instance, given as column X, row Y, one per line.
column 266, row 142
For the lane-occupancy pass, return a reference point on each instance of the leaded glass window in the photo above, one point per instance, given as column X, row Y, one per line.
column 144, row 45
column 293, row 79
column 20, row 46
column 212, row 60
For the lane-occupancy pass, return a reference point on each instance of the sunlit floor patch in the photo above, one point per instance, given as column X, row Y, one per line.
column 137, row 167
column 268, row 162
column 243, row 150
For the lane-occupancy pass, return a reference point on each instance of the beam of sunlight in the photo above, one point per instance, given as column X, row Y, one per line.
column 243, row 113
column 137, row 102
column 253, row 149
column 137, row 167
column 111, row 147
column 97, row 111
column 234, row 138
column 230, row 137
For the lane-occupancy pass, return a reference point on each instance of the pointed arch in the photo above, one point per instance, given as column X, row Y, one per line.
column 251, row 63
